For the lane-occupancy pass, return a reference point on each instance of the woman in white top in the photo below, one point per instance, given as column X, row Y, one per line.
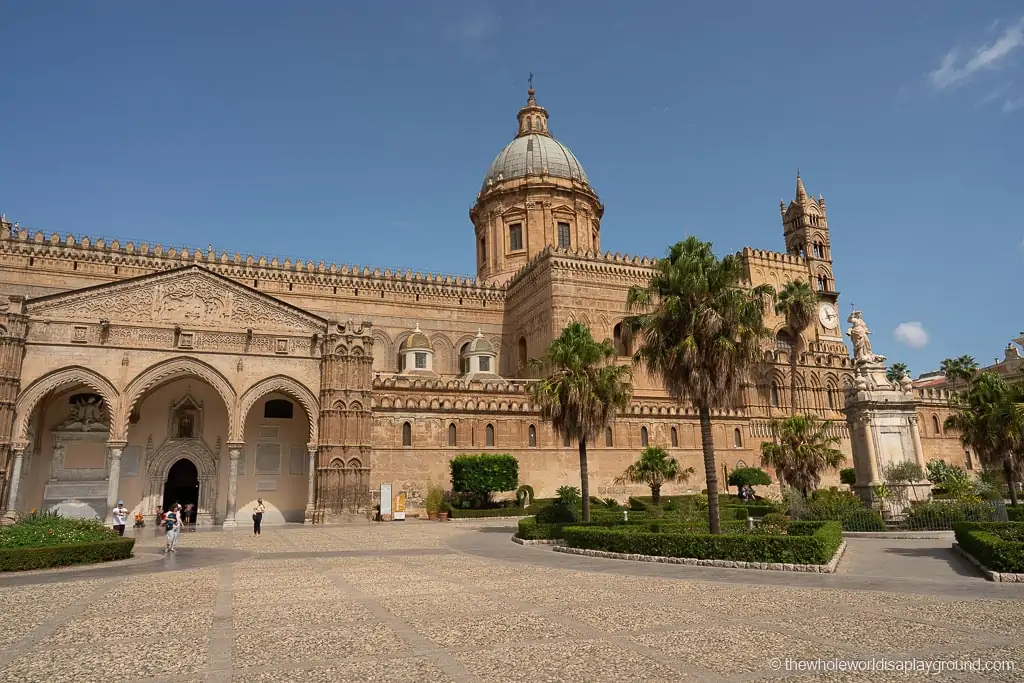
column 172, row 524
column 257, row 516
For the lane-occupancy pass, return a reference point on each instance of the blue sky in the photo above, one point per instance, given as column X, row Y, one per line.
column 360, row 132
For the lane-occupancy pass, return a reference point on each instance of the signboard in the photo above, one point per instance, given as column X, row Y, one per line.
column 400, row 506
column 385, row 501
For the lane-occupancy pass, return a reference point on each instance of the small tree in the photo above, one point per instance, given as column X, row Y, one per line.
column 848, row 476
column 748, row 476
column 655, row 469
column 483, row 474
column 803, row 451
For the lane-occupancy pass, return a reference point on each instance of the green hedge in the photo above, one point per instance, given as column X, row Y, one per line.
column 25, row 558
column 997, row 545
column 806, row 543
column 1015, row 514
column 484, row 472
column 532, row 530
column 457, row 513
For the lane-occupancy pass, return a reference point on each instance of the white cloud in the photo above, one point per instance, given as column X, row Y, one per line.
column 912, row 334
column 953, row 70
column 1012, row 105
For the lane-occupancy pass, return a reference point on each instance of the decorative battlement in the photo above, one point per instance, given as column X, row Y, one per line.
column 932, row 394
column 772, row 256
column 18, row 241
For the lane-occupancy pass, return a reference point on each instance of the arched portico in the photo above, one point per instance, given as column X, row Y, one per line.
column 198, row 453
column 70, row 461
column 169, row 370
column 278, row 432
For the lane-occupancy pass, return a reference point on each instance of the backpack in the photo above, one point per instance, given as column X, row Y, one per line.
column 170, row 520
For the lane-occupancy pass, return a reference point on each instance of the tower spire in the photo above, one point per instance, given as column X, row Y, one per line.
column 801, row 193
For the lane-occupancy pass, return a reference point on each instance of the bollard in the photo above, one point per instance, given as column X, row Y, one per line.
column 625, row 515
column 750, row 523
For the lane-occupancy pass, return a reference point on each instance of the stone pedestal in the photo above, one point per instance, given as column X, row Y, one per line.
column 882, row 417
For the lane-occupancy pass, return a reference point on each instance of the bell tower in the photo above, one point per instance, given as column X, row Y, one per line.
column 805, row 228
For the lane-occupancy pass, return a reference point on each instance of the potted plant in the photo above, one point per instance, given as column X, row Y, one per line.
column 434, row 501
column 442, row 514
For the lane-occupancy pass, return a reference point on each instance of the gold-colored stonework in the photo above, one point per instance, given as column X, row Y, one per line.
column 312, row 393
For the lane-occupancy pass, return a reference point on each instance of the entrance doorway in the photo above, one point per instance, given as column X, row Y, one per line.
column 182, row 485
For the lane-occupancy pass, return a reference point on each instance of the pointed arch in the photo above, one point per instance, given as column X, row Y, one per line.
column 382, row 358
column 167, row 371
column 60, row 379
column 280, row 384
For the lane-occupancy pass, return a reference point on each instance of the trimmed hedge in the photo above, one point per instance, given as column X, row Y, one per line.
column 1015, row 514
column 484, row 473
column 806, row 543
column 532, row 530
column 458, row 513
column 997, row 545
column 45, row 557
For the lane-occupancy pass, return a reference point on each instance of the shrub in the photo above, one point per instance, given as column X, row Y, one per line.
column 936, row 516
column 434, row 499
column 46, row 529
column 484, row 473
column 611, row 503
column 806, row 543
column 569, row 495
column 557, row 514
column 749, row 476
column 940, row 474
column 1015, row 514
column 864, row 519
column 832, row 504
column 848, row 476
column 999, row 546
column 773, row 524
column 744, row 511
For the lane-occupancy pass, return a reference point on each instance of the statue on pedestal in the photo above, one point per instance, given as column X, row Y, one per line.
column 859, row 334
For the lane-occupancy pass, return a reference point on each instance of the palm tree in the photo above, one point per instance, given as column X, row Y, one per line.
column 699, row 330
column 897, row 371
column 804, row 450
column 797, row 303
column 990, row 420
column 655, row 469
column 959, row 369
column 582, row 393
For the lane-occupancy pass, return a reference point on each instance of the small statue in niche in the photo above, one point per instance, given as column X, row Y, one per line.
column 86, row 413
column 185, row 426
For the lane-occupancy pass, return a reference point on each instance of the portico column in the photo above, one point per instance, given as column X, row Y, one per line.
column 311, row 492
column 12, row 497
column 915, row 434
column 235, row 452
column 869, row 442
column 114, row 451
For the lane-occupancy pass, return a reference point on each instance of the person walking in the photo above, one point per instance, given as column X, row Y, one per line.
column 120, row 515
column 172, row 525
column 257, row 516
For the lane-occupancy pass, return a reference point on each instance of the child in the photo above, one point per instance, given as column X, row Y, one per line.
column 140, row 521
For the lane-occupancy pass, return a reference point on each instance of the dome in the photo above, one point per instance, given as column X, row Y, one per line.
column 479, row 344
column 532, row 155
column 417, row 340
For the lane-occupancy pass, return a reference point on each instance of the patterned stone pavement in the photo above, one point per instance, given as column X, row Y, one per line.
column 458, row 602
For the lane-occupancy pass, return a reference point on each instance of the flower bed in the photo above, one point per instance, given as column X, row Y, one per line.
column 41, row 541
column 806, row 543
column 998, row 546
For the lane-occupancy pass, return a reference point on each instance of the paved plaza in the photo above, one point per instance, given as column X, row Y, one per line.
column 458, row 601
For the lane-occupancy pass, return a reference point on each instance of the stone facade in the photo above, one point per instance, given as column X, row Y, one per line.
column 309, row 384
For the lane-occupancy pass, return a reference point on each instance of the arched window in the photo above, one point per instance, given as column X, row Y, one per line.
column 608, row 439
column 831, row 398
column 489, row 435
column 531, row 436
column 483, row 251
column 935, row 425
column 406, row 434
column 453, row 435
column 775, row 394
column 643, row 437
column 278, row 409
column 464, row 359
column 674, row 435
column 783, row 341
column 737, row 438
column 618, row 340
column 523, row 359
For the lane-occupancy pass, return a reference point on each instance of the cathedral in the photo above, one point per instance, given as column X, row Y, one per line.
column 153, row 375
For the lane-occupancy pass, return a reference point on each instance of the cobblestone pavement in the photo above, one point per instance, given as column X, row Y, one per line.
column 458, row 602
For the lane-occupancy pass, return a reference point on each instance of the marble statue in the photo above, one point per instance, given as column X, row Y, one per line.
column 859, row 334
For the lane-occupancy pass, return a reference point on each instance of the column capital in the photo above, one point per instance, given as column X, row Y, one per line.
column 235, row 445
column 19, row 446
column 312, row 447
column 117, row 445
